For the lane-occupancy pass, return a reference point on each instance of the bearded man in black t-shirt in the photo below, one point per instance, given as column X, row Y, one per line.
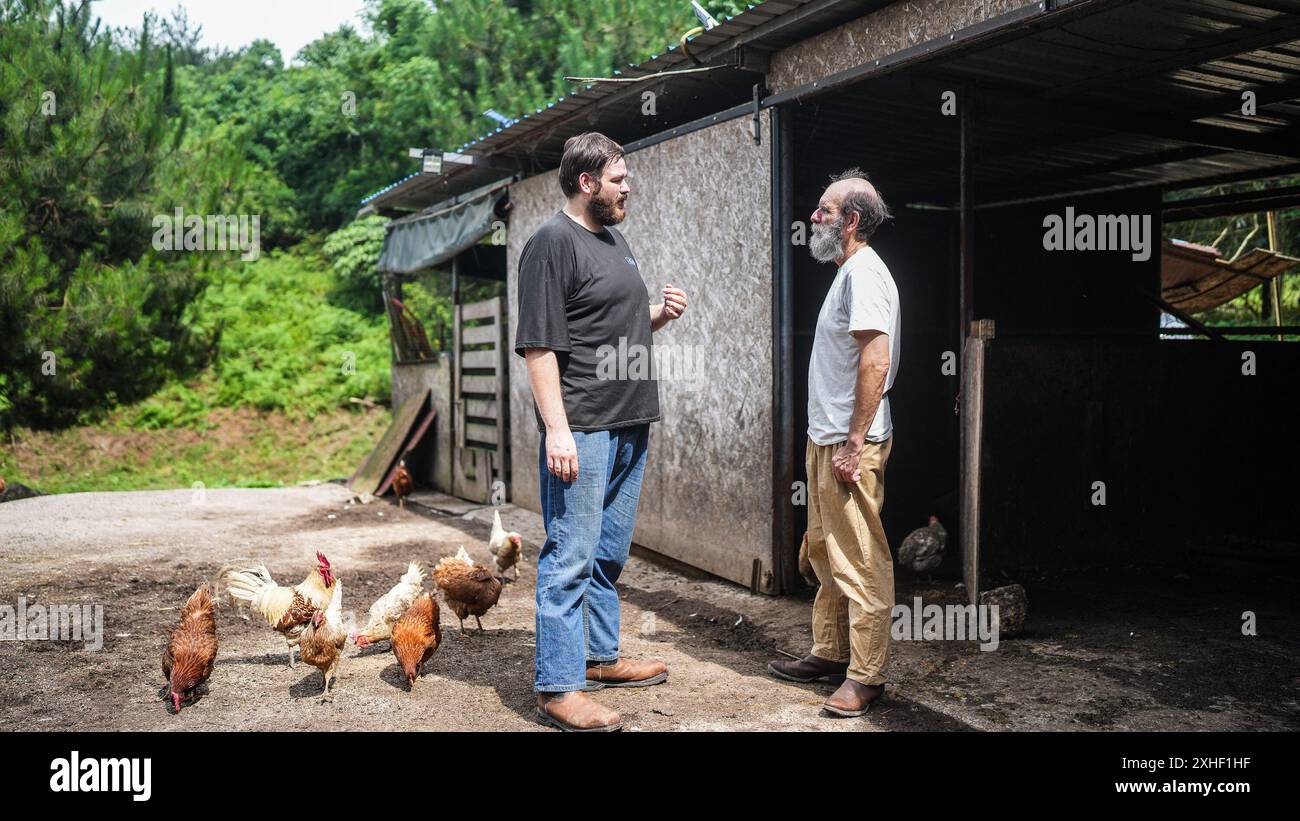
column 582, row 306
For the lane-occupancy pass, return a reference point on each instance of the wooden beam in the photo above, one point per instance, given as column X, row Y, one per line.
column 1238, row 202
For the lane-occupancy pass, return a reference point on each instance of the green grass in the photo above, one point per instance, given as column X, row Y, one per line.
column 275, row 407
column 233, row 448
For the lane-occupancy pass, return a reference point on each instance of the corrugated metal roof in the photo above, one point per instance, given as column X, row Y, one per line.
column 1136, row 94
column 747, row 27
column 1106, row 94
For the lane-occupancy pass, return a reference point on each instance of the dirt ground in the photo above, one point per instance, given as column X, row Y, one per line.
column 1145, row 649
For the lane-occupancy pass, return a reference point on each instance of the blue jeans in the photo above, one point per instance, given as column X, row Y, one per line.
column 589, row 526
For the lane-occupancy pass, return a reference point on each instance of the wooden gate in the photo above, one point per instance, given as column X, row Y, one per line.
column 480, row 400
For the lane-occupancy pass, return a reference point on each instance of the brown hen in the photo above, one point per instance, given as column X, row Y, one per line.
column 191, row 647
column 323, row 639
column 416, row 636
column 403, row 484
column 470, row 589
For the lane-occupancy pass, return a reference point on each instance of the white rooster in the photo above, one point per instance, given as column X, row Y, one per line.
column 286, row 609
column 922, row 550
column 505, row 546
column 389, row 607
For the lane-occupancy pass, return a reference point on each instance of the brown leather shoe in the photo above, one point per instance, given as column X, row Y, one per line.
column 809, row 668
column 576, row 713
column 625, row 673
column 853, row 699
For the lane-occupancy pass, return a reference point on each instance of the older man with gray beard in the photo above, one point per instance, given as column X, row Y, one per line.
column 854, row 358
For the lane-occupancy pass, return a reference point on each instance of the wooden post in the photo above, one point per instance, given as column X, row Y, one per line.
column 457, row 400
column 967, row 226
column 785, row 559
column 1275, row 284
column 503, row 392
column 972, row 441
column 972, row 372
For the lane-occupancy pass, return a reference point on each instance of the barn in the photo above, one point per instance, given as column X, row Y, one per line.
column 1034, row 155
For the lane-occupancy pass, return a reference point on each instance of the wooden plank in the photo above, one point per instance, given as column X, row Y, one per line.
column 502, row 461
column 479, row 334
column 458, row 440
column 478, row 384
column 481, row 433
column 488, row 308
column 371, row 476
column 479, row 359
column 482, row 408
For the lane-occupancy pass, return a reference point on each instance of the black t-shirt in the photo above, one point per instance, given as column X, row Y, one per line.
column 581, row 295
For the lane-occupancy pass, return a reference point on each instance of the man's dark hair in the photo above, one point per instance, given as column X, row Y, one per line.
column 586, row 154
column 866, row 203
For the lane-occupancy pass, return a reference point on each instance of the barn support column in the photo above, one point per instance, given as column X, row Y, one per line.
column 976, row 336
column 784, row 558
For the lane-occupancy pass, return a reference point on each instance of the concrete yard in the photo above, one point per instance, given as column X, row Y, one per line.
column 1149, row 648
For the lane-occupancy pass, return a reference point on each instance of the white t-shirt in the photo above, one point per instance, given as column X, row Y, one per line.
column 862, row 298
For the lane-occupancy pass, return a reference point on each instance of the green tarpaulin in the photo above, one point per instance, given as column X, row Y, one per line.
column 421, row 242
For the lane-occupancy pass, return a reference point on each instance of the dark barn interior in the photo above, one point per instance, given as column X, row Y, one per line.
column 1078, row 386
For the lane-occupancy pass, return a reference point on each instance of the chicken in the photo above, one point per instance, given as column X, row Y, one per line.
column 385, row 612
column 505, row 547
column 286, row 609
column 191, row 647
column 922, row 550
column 402, row 483
column 13, row 491
column 470, row 589
column 805, row 566
column 416, row 636
column 323, row 639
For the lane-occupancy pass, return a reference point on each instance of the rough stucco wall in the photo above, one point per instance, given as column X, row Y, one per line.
column 699, row 217
column 881, row 33
column 532, row 202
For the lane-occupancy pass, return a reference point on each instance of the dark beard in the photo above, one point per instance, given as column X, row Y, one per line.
column 603, row 212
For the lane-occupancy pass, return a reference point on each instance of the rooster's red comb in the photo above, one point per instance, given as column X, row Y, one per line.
column 320, row 557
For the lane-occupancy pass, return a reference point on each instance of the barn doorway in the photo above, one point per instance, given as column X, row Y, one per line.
column 836, row 132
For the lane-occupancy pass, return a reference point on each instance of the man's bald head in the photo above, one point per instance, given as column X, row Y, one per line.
column 856, row 195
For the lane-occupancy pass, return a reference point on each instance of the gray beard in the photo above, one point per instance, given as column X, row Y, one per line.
column 824, row 245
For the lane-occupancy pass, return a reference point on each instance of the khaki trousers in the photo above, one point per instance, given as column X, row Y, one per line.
column 850, row 555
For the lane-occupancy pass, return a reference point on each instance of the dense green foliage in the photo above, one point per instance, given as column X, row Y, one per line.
column 353, row 252
column 280, row 345
column 100, row 131
column 336, row 125
column 85, row 124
